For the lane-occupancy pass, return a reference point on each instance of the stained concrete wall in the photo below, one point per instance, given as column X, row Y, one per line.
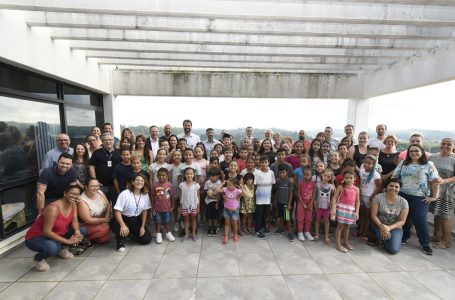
column 210, row 84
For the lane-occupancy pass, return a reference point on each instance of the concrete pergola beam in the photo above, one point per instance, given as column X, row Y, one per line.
column 213, row 24
column 233, row 84
column 352, row 12
column 429, row 68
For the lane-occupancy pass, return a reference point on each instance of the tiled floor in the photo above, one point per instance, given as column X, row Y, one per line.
column 250, row 269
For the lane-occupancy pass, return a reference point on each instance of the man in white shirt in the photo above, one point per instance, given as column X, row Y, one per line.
column 249, row 134
column 191, row 138
column 378, row 141
column 153, row 142
column 349, row 131
column 210, row 142
column 328, row 132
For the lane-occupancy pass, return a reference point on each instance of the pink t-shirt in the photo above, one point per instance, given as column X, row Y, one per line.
column 163, row 192
column 231, row 198
column 403, row 154
column 294, row 160
column 306, row 191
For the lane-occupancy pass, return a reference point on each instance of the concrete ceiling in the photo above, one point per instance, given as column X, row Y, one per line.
column 326, row 37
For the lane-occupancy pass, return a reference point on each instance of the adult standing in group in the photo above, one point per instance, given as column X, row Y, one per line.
column 63, row 146
column 420, row 187
column 96, row 132
column 249, row 134
column 153, row 141
column 191, row 138
column 107, row 127
column 388, row 158
column 306, row 143
column 130, row 213
column 52, row 229
column 95, row 211
column 358, row 152
column 210, row 142
column 415, row 139
column 167, row 133
column 141, row 151
column 53, row 181
column 378, row 141
column 102, row 164
column 91, row 142
column 443, row 207
column 328, row 131
column 388, row 215
column 349, row 132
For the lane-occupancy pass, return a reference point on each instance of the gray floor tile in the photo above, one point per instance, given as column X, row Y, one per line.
column 136, row 267
column 171, row 289
column 4, row 285
column 109, row 249
column 123, row 289
column 373, row 261
column 218, row 264
column 441, row 283
column 186, row 247
column 265, row 287
column 292, row 262
column 22, row 252
column 150, row 249
column 307, row 287
column 75, row 290
column 60, row 268
column 258, row 263
column 95, row 268
column 357, row 286
column 11, row 269
column 214, row 244
column 331, row 260
column 443, row 258
column 219, row 288
column 401, row 285
column 283, row 246
column 252, row 244
column 27, row 290
column 412, row 260
column 178, row 266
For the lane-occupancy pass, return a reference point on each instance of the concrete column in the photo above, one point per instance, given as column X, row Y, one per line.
column 359, row 114
column 109, row 112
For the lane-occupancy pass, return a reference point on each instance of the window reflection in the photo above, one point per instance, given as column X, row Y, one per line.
column 27, row 132
column 79, row 122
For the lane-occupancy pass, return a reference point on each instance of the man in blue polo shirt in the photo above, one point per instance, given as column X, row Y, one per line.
column 53, row 181
column 63, row 146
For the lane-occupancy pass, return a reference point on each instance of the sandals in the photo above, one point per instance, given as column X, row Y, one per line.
column 316, row 238
column 441, row 245
column 327, row 240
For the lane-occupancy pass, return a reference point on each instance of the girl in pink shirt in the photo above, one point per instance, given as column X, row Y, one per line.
column 231, row 207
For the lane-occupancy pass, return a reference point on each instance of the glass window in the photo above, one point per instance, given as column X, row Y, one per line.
column 18, row 208
column 16, row 79
column 79, row 123
column 78, row 96
column 27, row 131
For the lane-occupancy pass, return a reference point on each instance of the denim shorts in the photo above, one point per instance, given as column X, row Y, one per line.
column 231, row 214
column 162, row 217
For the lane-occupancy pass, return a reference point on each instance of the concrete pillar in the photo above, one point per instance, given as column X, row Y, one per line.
column 109, row 112
column 359, row 113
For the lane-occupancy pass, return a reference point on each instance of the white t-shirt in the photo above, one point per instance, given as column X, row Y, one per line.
column 191, row 139
column 193, row 165
column 211, row 186
column 130, row 205
column 155, row 167
column 189, row 195
column 244, row 171
column 264, row 182
column 375, row 142
column 367, row 189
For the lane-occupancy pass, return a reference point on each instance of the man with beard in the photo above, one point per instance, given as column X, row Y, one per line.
column 167, row 133
column 191, row 138
column 306, row 144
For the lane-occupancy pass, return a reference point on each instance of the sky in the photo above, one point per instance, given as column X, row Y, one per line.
column 431, row 107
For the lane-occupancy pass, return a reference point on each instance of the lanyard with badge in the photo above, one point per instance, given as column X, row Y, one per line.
column 109, row 161
column 137, row 204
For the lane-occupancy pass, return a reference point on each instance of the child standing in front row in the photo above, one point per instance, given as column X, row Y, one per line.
column 264, row 181
column 231, row 207
column 284, row 193
column 345, row 208
column 247, row 205
column 304, row 212
column 162, row 204
column 175, row 172
column 324, row 194
column 189, row 202
column 212, row 201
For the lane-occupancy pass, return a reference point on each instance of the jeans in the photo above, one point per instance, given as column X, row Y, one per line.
column 260, row 216
column 47, row 247
column 393, row 244
column 418, row 215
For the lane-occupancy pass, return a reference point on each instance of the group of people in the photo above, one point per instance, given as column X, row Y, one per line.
column 180, row 182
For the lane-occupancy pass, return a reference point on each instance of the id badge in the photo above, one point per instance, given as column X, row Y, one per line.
column 109, row 163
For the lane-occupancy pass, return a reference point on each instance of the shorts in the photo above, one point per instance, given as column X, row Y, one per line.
column 162, row 217
column 231, row 214
column 365, row 201
column 186, row 212
column 323, row 213
column 211, row 212
column 280, row 207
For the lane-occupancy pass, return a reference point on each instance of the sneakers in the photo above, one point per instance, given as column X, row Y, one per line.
column 301, row 237
column 279, row 231
column 308, row 236
column 41, row 266
column 427, row 250
column 209, row 231
column 65, row 254
column 404, row 241
column 266, row 231
column 170, row 237
column 260, row 235
column 120, row 247
column 215, row 231
column 291, row 236
column 159, row 239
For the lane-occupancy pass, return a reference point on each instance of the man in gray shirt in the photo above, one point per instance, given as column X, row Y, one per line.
column 63, row 146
